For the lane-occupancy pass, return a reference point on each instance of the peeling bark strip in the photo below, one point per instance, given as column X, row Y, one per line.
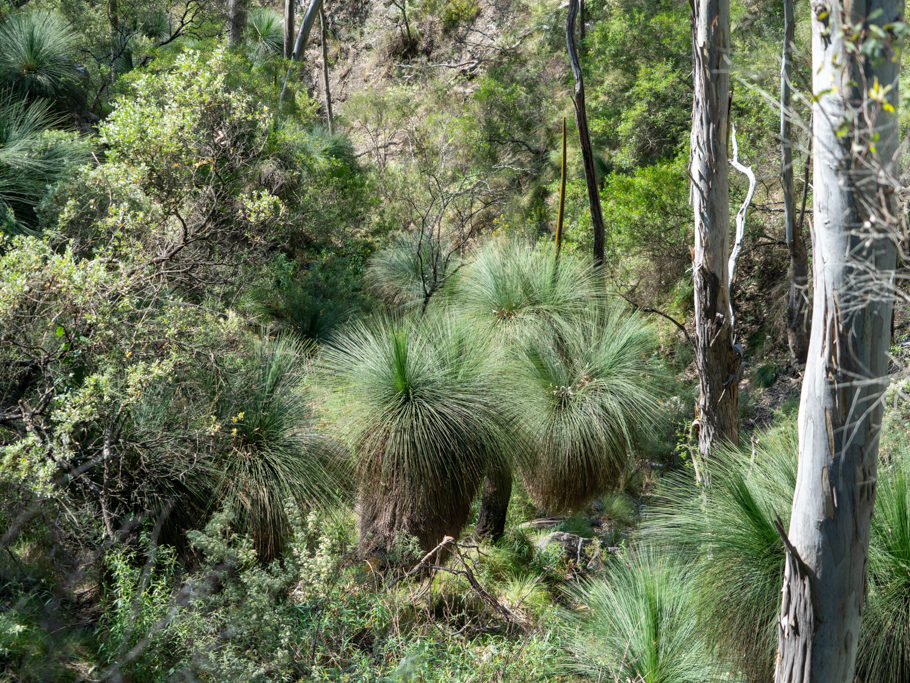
column 797, row 616
column 716, row 358
column 855, row 143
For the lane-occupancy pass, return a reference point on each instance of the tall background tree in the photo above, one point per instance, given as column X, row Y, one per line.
column 855, row 65
column 797, row 308
column 716, row 358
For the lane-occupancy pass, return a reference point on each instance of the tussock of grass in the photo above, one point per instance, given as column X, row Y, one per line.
column 638, row 624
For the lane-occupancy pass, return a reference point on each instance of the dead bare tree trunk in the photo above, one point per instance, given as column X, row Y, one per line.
column 717, row 358
column 325, row 73
column 290, row 9
column 853, row 233
column 236, row 21
column 587, row 151
column 797, row 302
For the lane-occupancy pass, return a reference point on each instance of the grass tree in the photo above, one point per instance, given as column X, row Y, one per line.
column 35, row 52
column 884, row 645
column 412, row 270
column 31, row 159
column 727, row 536
column 512, row 289
column 511, row 285
column 419, row 401
column 584, row 392
column 267, row 453
column 639, row 624
column 265, row 33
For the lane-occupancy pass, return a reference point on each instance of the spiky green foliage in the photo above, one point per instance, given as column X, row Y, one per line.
column 510, row 284
column 35, row 52
column 31, row 159
column 727, row 534
column 265, row 33
column 271, row 455
column 584, row 390
column 412, row 269
column 884, row 645
column 418, row 400
column 639, row 624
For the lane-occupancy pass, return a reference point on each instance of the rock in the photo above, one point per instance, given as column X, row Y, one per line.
column 571, row 543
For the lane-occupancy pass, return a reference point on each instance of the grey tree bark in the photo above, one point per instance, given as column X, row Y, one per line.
column 717, row 359
column 587, row 151
column 855, row 214
column 306, row 25
column 236, row 21
column 303, row 35
column 797, row 303
column 290, row 9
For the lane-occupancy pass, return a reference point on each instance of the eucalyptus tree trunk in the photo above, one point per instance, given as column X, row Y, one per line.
column 303, row 34
column 290, row 8
column 236, row 21
column 855, row 210
column 797, row 310
column 306, row 25
column 716, row 358
column 325, row 74
column 587, row 151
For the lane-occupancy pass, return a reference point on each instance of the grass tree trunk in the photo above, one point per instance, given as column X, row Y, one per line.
column 717, row 359
column 290, row 8
column 855, row 174
column 584, row 136
column 494, row 502
column 797, row 309
column 236, row 21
